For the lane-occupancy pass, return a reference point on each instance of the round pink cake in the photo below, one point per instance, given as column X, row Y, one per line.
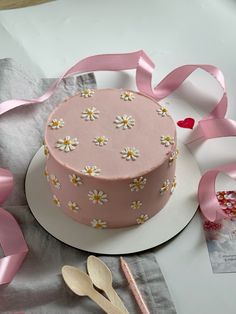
column 110, row 157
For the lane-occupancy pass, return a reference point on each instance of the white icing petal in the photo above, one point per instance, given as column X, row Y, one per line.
column 74, row 179
column 97, row 197
column 127, row 96
column 136, row 204
column 91, row 171
column 130, row 153
column 125, row 122
column 73, row 206
column 87, row 93
column 56, row 124
column 100, row 140
column 55, row 182
column 142, row 218
column 138, row 184
column 167, row 140
column 90, row 114
column 98, row 224
column 67, row 144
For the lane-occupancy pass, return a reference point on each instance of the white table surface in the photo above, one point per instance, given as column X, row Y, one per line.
column 50, row 38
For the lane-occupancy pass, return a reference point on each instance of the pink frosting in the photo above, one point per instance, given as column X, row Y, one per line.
column 145, row 135
column 116, row 172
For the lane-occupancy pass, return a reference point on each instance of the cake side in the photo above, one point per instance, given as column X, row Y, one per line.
column 116, row 203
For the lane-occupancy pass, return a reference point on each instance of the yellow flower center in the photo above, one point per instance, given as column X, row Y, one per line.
column 74, row 180
column 90, row 113
column 90, row 171
column 125, row 121
column 100, row 140
column 168, row 138
column 130, row 153
column 55, row 123
column 164, row 110
column 46, row 151
column 67, row 142
column 54, row 181
column 97, row 197
column 98, row 225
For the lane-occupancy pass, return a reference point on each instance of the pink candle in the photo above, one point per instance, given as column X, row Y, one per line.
column 134, row 287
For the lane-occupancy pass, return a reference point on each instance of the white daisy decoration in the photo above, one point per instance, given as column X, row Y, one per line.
column 90, row 114
column 73, row 206
column 74, row 179
column 46, row 174
column 56, row 201
column 125, row 122
column 130, row 153
column 67, row 144
column 165, row 186
column 173, row 156
column 162, row 111
column 97, row 197
column 138, row 184
column 167, row 140
column 46, row 151
column 87, row 92
column 56, row 123
column 100, row 140
column 55, row 182
column 127, row 96
column 141, row 219
column 173, row 185
column 98, row 224
column 91, row 171
column 136, row 204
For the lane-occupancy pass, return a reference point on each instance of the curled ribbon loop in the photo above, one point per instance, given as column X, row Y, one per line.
column 144, row 66
column 208, row 202
column 11, row 238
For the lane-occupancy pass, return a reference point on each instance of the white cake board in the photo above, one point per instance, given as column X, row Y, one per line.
column 170, row 221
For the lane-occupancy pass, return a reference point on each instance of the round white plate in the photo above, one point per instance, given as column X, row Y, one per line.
column 159, row 229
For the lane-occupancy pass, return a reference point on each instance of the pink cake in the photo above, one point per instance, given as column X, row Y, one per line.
column 110, row 157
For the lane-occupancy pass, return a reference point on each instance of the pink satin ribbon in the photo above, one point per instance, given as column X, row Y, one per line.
column 212, row 125
column 206, row 192
column 11, row 238
column 144, row 69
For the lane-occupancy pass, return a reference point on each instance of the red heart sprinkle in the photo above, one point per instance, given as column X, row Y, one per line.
column 187, row 123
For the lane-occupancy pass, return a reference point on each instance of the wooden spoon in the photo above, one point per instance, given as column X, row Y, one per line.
column 12, row 4
column 102, row 278
column 80, row 283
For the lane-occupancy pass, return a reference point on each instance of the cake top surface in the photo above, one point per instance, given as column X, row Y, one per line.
column 110, row 133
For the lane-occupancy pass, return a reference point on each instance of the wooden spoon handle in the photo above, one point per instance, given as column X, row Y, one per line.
column 116, row 300
column 106, row 305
